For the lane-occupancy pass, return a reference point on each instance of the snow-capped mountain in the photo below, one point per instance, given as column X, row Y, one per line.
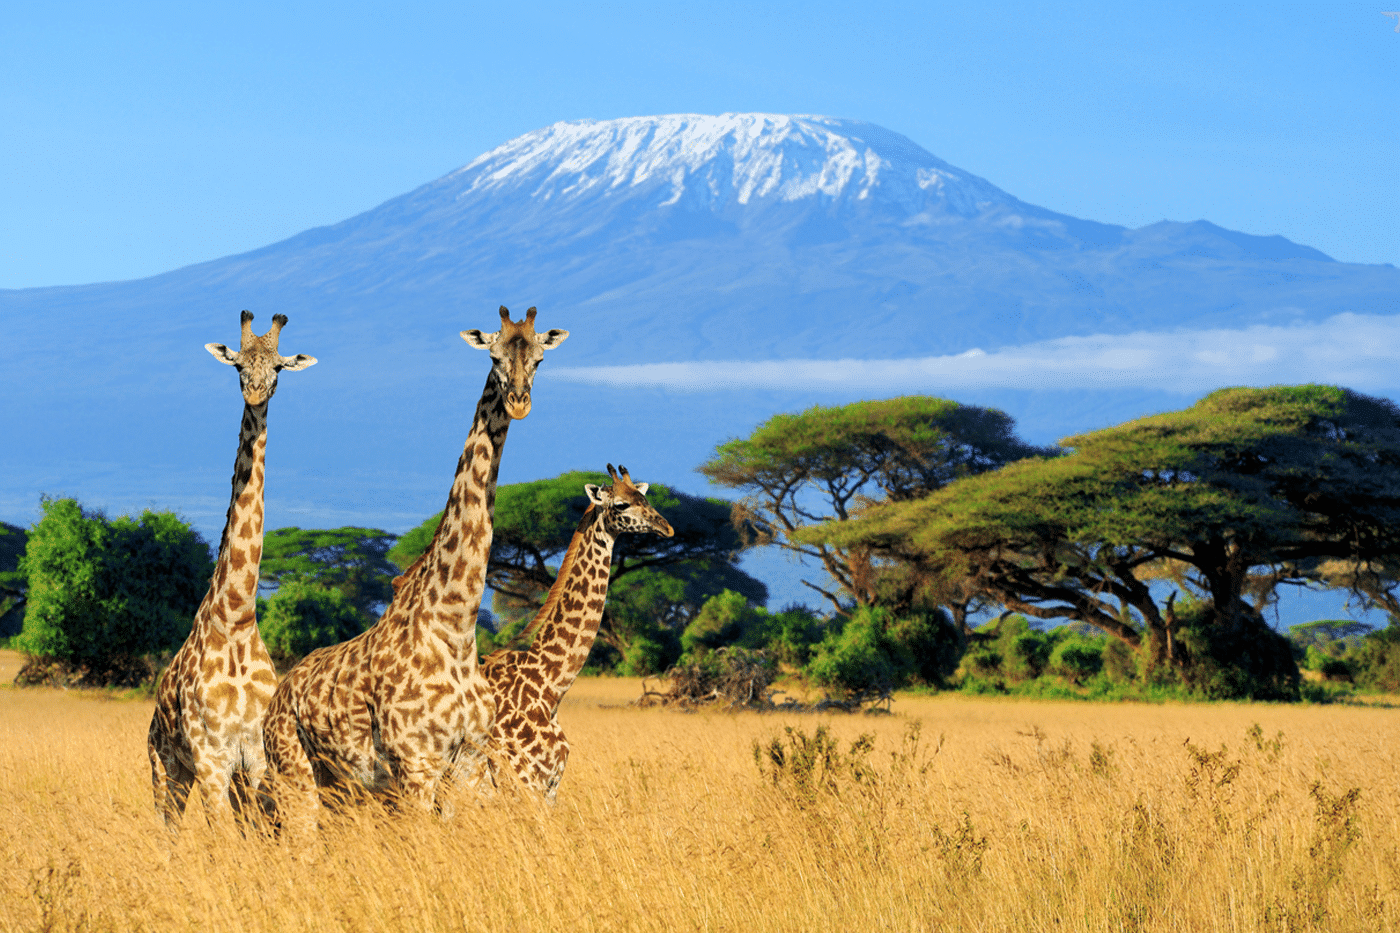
column 668, row 239
column 717, row 163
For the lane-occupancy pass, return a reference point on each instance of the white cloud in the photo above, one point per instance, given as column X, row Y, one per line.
column 1359, row 351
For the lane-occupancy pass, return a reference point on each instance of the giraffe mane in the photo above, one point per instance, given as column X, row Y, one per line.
column 556, row 590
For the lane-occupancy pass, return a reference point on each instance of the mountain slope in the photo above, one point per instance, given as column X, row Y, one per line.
column 671, row 238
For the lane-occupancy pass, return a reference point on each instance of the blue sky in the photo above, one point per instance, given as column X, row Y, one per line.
column 141, row 137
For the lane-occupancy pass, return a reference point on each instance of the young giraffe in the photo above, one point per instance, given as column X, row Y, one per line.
column 208, row 720
column 529, row 684
column 394, row 707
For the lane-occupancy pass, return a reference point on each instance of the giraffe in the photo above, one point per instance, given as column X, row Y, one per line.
column 207, row 725
column 391, row 709
column 529, row 684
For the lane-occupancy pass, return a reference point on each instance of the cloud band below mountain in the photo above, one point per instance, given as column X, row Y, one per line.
column 1359, row 351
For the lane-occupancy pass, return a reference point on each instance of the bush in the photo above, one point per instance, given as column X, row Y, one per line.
column 303, row 616
column 791, row 635
column 1253, row 662
column 1120, row 662
column 860, row 658
column 647, row 654
column 1376, row 663
column 103, row 593
column 1077, row 659
column 725, row 619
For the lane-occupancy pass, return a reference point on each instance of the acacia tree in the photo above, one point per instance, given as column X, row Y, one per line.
column 1245, row 489
column 353, row 561
column 827, row 464
column 534, row 523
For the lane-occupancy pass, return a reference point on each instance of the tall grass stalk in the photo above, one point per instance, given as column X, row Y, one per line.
column 985, row 816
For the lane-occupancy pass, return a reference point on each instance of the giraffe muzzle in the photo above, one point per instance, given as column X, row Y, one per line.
column 518, row 404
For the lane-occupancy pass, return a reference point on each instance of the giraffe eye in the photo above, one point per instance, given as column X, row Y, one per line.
column 619, row 506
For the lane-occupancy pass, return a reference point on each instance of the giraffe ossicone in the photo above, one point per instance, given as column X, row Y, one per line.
column 529, row 684
column 207, row 725
column 394, row 708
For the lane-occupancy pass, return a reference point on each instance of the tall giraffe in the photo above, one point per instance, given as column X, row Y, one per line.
column 529, row 684
column 394, row 707
column 207, row 725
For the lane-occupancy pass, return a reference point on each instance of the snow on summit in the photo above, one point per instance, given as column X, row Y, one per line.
column 714, row 161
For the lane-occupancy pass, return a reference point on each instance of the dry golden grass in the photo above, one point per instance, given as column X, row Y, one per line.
column 1028, row 816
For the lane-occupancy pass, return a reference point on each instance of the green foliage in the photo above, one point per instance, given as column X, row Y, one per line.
column 1076, row 659
column 1375, row 663
column 725, row 619
column 658, row 584
column 648, row 653
column 13, row 583
column 101, row 592
column 1220, row 663
column 353, row 561
column 875, row 652
column 1328, row 633
column 304, row 615
column 790, row 635
column 824, row 464
column 1224, row 499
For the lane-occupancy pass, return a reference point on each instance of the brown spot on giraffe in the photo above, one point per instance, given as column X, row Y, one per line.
column 207, row 725
column 370, row 678
column 529, row 684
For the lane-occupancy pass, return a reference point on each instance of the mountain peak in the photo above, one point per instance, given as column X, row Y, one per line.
column 713, row 162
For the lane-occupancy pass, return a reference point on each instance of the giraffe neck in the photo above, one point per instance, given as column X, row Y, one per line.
column 451, row 575
column 233, row 590
column 568, row 622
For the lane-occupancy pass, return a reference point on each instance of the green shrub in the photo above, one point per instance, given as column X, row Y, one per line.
column 646, row 655
column 1120, row 662
column 102, row 593
column 1077, row 659
column 790, row 635
column 1376, row 662
column 303, row 616
column 860, row 658
column 1028, row 654
column 874, row 652
column 726, row 619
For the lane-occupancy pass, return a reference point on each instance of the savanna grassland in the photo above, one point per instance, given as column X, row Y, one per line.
column 1001, row 815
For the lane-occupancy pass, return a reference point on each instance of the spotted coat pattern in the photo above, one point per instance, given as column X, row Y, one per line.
column 393, row 708
column 529, row 684
column 207, row 725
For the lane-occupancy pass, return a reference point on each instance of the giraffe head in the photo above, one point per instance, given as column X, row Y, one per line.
column 624, row 507
column 516, row 351
column 257, row 359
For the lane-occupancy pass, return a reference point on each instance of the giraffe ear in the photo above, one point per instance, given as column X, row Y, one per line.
column 300, row 361
column 222, row 353
column 642, row 488
column 551, row 339
column 594, row 494
column 479, row 340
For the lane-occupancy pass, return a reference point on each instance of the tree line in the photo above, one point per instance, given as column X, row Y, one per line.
column 1162, row 543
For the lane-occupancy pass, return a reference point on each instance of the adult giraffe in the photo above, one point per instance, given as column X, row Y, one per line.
column 207, row 725
column 529, row 684
column 394, row 707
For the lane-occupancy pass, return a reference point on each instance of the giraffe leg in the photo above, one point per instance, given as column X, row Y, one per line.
column 170, row 779
column 252, row 798
column 289, row 771
column 418, row 782
column 214, row 772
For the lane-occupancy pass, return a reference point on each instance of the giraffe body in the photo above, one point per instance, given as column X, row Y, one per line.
column 207, row 726
column 529, row 684
column 393, row 708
